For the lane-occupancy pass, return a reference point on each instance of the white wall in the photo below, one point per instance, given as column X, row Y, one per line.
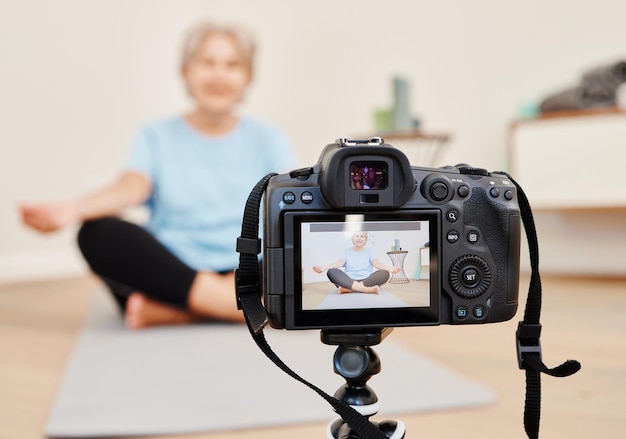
column 77, row 78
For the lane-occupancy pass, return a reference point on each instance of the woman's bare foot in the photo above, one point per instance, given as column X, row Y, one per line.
column 343, row 290
column 359, row 287
column 142, row 312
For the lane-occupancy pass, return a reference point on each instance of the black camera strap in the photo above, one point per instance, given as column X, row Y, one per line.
column 529, row 354
column 248, row 288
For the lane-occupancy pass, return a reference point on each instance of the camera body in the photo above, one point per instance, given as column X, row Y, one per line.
column 447, row 242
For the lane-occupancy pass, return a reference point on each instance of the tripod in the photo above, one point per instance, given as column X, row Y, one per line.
column 357, row 362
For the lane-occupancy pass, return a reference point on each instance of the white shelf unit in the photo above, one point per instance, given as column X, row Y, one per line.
column 573, row 169
column 571, row 161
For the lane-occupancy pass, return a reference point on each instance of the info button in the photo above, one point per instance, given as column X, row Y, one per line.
column 453, row 236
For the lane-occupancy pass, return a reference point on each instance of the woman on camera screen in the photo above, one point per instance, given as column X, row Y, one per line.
column 354, row 272
column 194, row 172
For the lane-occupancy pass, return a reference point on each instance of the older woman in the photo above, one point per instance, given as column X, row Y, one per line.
column 194, row 173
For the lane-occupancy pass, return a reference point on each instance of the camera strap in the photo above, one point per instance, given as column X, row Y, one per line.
column 247, row 281
column 528, row 332
column 248, row 290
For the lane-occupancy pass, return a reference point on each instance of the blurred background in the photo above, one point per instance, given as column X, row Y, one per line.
column 78, row 78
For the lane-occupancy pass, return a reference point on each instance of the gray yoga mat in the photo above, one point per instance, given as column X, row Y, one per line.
column 384, row 299
column 206, row 377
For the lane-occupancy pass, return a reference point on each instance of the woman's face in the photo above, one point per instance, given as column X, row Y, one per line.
column 359, row 239
column 218, row 74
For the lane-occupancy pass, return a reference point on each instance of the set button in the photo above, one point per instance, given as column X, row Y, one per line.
column 470, row 277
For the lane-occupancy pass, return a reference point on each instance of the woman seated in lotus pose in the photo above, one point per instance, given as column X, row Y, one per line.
column 358, row 265
column 194, row 172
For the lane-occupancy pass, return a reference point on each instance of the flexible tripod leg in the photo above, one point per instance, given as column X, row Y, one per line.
column 357, row 364
column 338, row 429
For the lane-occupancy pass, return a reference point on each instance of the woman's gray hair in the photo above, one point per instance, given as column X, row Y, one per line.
column 197, row 34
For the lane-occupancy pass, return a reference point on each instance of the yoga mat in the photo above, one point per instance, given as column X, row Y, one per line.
column 384, row 299
column 209, row 377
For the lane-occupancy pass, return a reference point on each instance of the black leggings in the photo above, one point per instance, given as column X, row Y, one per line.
column 128, row 259
column 341, row 279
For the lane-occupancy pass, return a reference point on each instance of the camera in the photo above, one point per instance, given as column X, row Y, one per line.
column 363, row 239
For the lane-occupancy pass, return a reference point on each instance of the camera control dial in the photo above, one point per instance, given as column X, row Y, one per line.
column 437, row 188
column 438, row 191
column 469, row 276
column 470, row 170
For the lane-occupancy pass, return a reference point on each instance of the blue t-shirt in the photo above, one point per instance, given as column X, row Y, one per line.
column 358, row 265
column 201, row 184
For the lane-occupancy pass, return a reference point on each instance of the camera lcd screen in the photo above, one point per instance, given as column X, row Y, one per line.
column 366, row 269
column 371, row 174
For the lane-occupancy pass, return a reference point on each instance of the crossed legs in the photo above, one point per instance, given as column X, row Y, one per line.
column 149, row 283
column 345, row 284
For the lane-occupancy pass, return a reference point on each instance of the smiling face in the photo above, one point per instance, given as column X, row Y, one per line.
column 217, row 74
column 359, row 239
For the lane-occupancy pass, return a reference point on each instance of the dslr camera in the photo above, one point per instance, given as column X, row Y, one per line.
column 364, row 240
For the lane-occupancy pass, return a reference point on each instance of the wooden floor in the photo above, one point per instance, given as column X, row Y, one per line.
column 583, row 319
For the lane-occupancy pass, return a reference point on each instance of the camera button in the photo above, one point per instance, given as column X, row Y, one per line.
column 452, row 215
column 463, row 191
column 508, row 195
column 470, row 170
column 289, row 197
column 304, row 172
column 439, row 191
column 470, row 277
column 494, row 192
column 461, row 312
column 306, row 197
column 472, row 237
column 453, row 236
column 479, row 311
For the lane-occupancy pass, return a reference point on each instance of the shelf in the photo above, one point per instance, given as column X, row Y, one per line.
column 592, row 112
column 571, row 162
column 599, row 209
column 413, row 135
column 422, row 149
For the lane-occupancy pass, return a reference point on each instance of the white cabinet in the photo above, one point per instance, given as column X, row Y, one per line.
column 577, row 160
column 573, row 169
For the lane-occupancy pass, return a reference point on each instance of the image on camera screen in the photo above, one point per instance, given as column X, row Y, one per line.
column 358, row 264
column 368, row 175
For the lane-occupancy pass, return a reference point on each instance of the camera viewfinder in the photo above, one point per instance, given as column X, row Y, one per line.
column 368, row 175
